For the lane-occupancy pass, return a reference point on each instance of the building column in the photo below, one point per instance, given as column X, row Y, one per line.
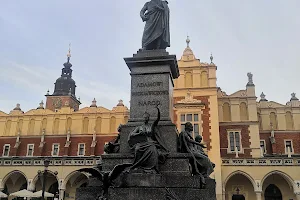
column 258, row 195
column 61, row 194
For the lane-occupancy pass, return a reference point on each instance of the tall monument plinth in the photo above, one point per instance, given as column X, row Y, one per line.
column 152, row 74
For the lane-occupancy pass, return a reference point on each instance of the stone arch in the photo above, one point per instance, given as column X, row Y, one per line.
column 34, row 180
column 204, row 79
column 31, row 127
column 241, row 173
column 239, row 184
column 85, row 125
column 188, row 79
column 7, row 127
column 56, row 126
column 69, row 124
column 288, row 179
column 113, row 125
column 68, row 177
column 273, row 120
column 7, row 176
column 98, row 125
column 226, row 112
column 244, row 111
column 44, row 124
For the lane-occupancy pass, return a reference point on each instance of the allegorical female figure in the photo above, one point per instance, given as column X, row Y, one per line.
column 201, row 165
column 147, row 145
column 157, row 31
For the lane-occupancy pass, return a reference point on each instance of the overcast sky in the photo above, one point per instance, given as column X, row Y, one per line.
column 262, row 37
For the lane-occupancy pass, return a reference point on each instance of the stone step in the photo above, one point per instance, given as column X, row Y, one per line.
column 175, row 163
column 160, row 194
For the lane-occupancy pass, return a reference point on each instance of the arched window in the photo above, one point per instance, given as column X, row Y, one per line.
column 226, row 112
column 113, row 128
column 243, row 111
column 19, row 126
column 188, row 79
column 56, row 126
column 69, row 124
column 85, row 128
column 204, row 79
column 31, row 127
column 125, row 119
column 44, row 124
column 7, row 127
column 273, row 120
column 289, row 121
column 98, row 124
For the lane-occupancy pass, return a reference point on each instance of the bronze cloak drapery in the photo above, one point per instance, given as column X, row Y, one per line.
column 157, row 26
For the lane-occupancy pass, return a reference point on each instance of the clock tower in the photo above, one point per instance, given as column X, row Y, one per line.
column 64, row 90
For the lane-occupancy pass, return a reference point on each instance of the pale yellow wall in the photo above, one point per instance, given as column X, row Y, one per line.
column 92, row 113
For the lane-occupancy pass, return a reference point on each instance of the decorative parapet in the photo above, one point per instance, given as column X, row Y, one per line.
column 57, row 161
column 261, row 162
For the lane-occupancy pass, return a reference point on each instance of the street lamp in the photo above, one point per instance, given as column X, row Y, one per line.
column 43, row 176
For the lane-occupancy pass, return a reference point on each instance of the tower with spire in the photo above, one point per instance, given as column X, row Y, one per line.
column 64, row 89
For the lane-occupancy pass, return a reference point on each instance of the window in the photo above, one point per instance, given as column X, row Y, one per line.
column 30, row 149
column 226, row 112
column 81, row 149
column 55, row 150
column 263, row 146
column 234, row 138
column 6, row 149
column 194, row 119
column 289, row 146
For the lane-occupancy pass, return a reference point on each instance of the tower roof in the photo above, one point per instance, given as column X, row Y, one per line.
column 188, row 53
column 65, row 85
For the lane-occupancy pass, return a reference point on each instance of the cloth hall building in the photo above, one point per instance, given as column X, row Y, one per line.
column 253, row 142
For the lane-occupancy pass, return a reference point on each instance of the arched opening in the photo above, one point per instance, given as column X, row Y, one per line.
column 289, row 121
column 44, row 124
column 7, row 127
column 277, row 185
column 56, row 126
column 69, row 124
column 226, row 112
column 14, row 182
column 73, row 181
column 238, row 197
column 259, row 121
column 51, row 184
column 272, row 192
column 273, row 120
column 204, row 79
column 188, row 79
column 113, row 127
column 239, row 187
column 243, row 111
column 85, row 128
column 98, row 124
column 31, row 127
column 19, row 126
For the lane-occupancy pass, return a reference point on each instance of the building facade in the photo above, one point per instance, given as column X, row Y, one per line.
column 254, row 143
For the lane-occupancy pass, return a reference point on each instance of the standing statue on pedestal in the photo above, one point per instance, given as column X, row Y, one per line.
column 148, row 147
column 201, row 165
column 157, row 29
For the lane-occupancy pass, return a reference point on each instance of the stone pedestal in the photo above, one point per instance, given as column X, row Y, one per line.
column 152, row 74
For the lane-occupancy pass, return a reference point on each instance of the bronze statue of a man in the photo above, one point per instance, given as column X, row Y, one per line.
column 157, row 31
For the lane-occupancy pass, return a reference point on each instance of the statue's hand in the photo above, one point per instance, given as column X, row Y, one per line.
column 145, row 18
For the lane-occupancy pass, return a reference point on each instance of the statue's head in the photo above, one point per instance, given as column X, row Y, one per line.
column 146, row 117
column 188, row 126
column 198, row 138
